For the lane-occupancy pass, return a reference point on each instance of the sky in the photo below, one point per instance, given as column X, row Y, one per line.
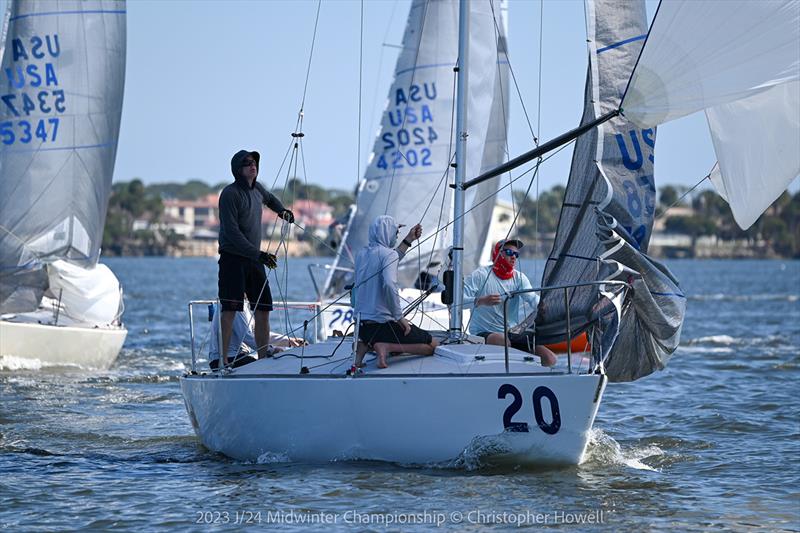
column 206, row 78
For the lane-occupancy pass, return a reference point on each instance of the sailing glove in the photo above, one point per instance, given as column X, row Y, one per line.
column 268, row 259
column 287, row 215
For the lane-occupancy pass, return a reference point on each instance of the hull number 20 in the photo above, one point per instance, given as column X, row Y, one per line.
column 551, row 428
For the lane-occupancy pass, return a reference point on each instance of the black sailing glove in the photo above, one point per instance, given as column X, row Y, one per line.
column 268, row 259
column 287, row 215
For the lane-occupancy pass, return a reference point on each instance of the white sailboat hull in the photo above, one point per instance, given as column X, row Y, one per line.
column 61, row 345
column 386, row 415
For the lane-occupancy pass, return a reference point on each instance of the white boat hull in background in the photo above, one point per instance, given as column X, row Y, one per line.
column 479, row 413
column 61, row 345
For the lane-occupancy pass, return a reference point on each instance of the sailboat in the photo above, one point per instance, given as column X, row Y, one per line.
column 63, row 72
column 495, row 401
column 411, row 156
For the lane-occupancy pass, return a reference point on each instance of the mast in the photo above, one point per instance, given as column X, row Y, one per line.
column 461, row 165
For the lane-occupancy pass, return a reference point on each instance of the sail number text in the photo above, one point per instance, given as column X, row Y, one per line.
column 32, row 75
column 538, row 397
column 408, row 129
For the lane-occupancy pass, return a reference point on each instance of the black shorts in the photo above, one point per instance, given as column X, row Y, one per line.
column 519, row 341
column 239, row 360
column 392, row 332
column 239, row 276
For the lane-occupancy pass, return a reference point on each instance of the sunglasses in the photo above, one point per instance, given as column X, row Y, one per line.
column 248, row 162
column 510, row 253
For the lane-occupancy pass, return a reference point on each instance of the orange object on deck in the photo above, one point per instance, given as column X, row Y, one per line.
column 579, row 344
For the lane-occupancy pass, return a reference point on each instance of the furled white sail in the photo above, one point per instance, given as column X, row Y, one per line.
column 410, row 163
column 63, row 73
column 739, row 60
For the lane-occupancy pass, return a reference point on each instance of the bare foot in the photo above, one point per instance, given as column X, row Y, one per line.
column 382, row 361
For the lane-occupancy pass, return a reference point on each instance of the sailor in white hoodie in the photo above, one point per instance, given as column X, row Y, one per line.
column 377, row 299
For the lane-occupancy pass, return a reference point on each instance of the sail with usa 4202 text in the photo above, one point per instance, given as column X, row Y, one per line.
column 33, row 75
column 406, row 145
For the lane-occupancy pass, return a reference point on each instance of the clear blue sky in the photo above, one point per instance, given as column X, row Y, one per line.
column 206, row 78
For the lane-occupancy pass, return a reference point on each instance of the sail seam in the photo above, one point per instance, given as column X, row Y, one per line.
column 77, row 12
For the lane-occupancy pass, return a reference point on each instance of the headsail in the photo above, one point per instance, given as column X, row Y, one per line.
column 607, row 216
column 63, row 73
column 407, row 172
column 739, row 61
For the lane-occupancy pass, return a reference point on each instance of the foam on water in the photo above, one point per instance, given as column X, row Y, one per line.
column 268, row 458
column 605, row 450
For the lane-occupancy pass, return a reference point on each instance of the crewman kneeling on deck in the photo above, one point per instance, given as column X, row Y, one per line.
column 377, row 297
column 486, row 288
column 243, row 343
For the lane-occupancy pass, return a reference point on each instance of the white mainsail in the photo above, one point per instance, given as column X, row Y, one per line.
column 738, row 60
column 409, row 163
column 63, row 73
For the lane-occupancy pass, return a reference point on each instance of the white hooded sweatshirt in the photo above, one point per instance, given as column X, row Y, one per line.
column 375, row 293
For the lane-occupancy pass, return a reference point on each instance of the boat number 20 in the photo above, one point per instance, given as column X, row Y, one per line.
column 551, row 428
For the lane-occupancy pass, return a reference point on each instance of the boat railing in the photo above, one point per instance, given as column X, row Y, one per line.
column 542, row 290
column 310, row 321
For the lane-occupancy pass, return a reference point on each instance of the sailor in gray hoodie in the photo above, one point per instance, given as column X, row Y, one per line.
column 377, row 299
column 241, row 261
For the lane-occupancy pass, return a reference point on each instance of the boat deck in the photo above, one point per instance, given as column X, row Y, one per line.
column 334, row 357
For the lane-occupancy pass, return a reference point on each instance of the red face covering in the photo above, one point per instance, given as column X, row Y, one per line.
column 502, row 268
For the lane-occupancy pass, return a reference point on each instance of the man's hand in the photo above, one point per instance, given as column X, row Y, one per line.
column 287, row 215
column 414, row 233
column 405, row 325
column 268, row 259
column 489, row 299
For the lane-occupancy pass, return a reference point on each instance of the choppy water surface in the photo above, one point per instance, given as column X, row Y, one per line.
column 712, row 442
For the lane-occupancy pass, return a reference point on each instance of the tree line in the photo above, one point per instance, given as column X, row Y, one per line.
column 779, row 227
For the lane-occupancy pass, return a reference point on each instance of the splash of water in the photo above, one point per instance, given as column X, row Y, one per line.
column 603, row 449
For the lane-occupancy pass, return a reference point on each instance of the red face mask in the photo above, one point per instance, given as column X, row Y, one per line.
column 502, row 267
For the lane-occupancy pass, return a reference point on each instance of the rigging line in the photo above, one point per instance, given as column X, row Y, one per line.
column 679, row 200
column 338, row 298
column 449, row 150
column 379, row 71
column 500, row 53
column 516, row 85
column 278, row 173
column 443, row 181
column 641, row 51
column 513, row 223
column 360, row 88
column 310, row 56
column 411, row 83
column 538, row 131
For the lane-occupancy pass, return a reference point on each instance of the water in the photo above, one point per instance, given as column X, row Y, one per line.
column 712, row 442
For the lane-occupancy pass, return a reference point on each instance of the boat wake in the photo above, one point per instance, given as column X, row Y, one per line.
column 10, row 362
column 603, row 450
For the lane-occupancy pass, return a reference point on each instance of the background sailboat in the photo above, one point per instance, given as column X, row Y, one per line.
column 63, row 74
column 409, row 167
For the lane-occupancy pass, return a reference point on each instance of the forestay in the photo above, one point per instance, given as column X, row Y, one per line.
column 739, row 61
column 63, row 68
column 607, row 216
column 407, row 173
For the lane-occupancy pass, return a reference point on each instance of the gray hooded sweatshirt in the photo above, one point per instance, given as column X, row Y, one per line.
column 375, row 293
column 240, row 212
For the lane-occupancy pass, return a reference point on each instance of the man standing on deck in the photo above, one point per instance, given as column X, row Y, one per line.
column 241, row 261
